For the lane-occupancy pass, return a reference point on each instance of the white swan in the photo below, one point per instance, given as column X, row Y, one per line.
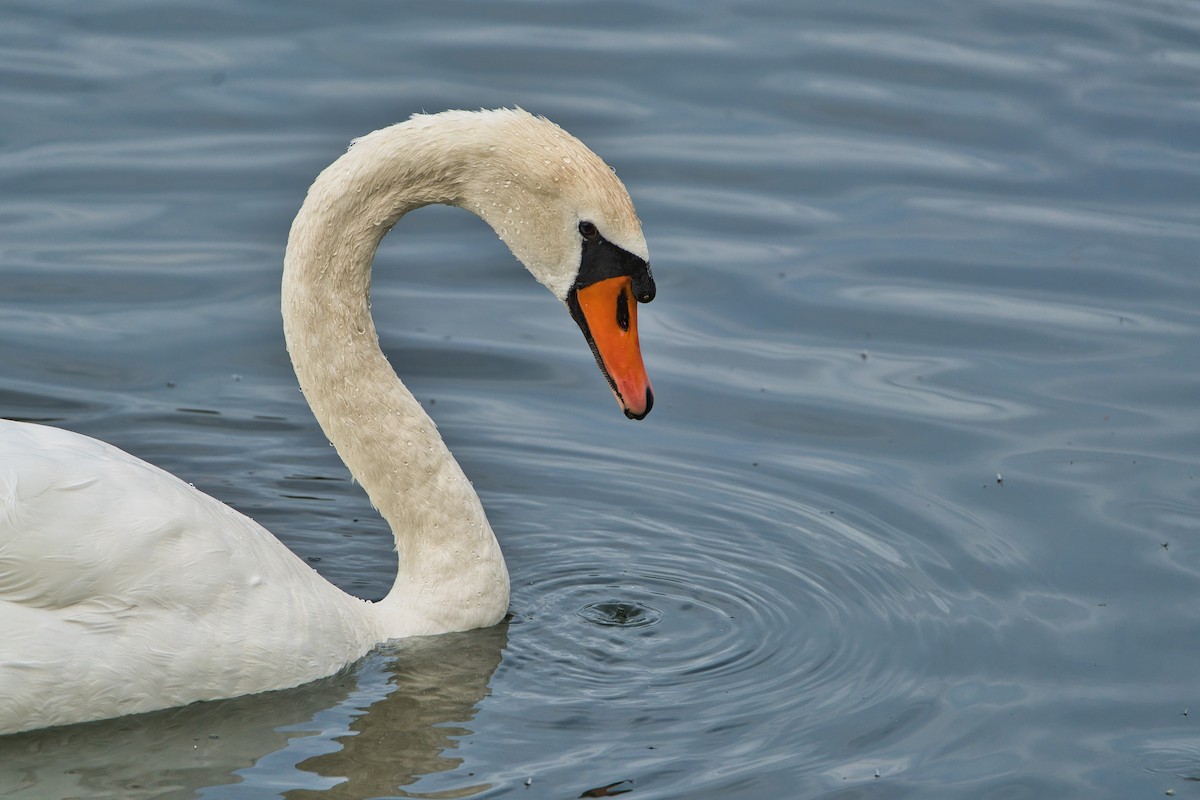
column 123, row 589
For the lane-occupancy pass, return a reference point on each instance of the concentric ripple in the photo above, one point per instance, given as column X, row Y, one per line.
column 748, row 611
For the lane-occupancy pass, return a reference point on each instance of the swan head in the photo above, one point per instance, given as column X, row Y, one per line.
column 567, row 217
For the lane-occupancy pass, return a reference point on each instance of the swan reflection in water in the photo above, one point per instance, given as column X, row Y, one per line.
column 381, row 724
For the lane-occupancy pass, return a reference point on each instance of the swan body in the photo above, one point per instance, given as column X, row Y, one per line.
column 123, row 589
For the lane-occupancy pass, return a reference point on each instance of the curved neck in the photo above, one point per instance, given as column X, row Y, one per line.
column 451, row 573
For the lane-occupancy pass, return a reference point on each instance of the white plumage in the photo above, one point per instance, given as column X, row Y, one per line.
column 123, row 589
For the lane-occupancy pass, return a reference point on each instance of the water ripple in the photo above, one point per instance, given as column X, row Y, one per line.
column 755, row 602
column 914, row 514
column 1058, row 216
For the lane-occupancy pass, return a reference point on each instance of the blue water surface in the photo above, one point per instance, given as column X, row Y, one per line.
column 915, row 514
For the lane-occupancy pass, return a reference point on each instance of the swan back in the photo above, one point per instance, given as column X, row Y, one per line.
column 124, row 589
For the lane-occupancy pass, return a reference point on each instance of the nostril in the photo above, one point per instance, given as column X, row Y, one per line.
column 643, row 285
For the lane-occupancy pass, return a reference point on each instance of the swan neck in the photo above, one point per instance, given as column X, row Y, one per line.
column 451, row 573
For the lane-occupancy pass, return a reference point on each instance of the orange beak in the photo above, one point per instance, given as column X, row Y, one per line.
column 607, row 313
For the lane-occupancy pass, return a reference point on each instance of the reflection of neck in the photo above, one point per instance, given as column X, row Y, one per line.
column 451, row 573
column 416, row 707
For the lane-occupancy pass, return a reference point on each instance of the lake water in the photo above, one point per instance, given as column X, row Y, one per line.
column 917, row 512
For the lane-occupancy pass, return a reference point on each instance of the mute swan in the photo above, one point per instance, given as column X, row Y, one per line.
column 123, row 589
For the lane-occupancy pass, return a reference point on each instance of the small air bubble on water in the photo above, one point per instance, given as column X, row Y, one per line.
column 620, row 613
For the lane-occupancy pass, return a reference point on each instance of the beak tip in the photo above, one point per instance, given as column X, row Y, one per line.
column 631, row 414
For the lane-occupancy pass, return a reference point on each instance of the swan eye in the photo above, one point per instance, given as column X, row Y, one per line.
column 588, row 230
